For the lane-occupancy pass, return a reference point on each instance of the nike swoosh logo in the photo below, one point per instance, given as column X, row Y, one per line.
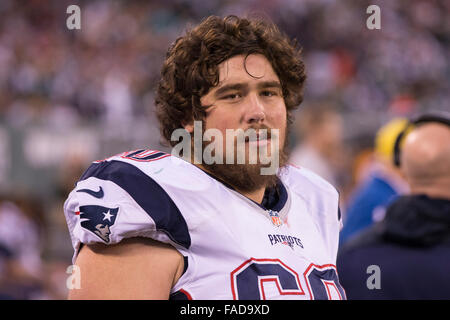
column 97, row 194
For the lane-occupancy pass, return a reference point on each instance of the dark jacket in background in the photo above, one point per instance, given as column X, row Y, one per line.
column 411, row 246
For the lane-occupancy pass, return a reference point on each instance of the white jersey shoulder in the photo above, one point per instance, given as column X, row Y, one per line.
column 131, row 195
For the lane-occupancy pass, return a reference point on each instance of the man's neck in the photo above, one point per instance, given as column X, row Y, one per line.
column 257, row 195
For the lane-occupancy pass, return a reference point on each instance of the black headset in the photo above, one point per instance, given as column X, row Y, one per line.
column 439, row 117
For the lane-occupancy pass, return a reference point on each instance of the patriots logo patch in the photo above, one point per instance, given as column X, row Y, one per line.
column 98, row 220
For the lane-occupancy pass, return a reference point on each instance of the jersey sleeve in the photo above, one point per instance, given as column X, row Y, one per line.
column 114, row 200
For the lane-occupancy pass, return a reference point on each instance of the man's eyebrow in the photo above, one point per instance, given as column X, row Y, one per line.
column 244, row 86
column 269, row 84
column 229, row 87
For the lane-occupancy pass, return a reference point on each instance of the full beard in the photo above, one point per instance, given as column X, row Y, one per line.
column 248, row 177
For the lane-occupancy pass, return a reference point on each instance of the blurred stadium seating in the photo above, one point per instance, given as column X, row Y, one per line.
column 68, row 97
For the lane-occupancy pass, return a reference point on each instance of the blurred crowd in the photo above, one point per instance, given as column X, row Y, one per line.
column 68, row 97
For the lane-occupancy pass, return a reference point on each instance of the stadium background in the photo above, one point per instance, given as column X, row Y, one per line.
column 68, row 97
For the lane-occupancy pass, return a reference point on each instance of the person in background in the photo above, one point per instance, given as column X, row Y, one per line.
column 20, row 261
column 367, row 203
column 409, row 250
column 319, row 129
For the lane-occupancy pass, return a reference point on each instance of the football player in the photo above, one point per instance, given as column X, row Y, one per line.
column 149, row 225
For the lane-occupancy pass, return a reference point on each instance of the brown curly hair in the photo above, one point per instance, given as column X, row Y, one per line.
column 191, row 66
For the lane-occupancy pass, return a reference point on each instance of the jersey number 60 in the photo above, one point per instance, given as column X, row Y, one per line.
column 248, row 280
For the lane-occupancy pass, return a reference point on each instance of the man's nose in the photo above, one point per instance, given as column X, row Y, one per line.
column 254, row 110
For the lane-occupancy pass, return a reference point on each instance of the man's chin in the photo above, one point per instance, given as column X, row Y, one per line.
column 243, row 177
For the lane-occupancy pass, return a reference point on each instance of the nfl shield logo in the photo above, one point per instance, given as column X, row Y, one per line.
column 275, row 218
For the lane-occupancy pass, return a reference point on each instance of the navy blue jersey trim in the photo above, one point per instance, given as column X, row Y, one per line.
column 274, row 198
column 148, row 194
column 339, row 207
column 185, row 266
column 179, row 295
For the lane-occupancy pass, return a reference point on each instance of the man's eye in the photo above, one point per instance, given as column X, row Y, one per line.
column 269, row 93
column 232, row 96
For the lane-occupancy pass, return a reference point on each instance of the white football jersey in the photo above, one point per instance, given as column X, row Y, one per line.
column 233, row 247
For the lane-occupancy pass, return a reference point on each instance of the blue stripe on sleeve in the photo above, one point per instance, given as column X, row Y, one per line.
column 148, row 194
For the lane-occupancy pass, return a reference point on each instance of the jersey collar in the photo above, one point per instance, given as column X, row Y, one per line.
column 274, row 198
